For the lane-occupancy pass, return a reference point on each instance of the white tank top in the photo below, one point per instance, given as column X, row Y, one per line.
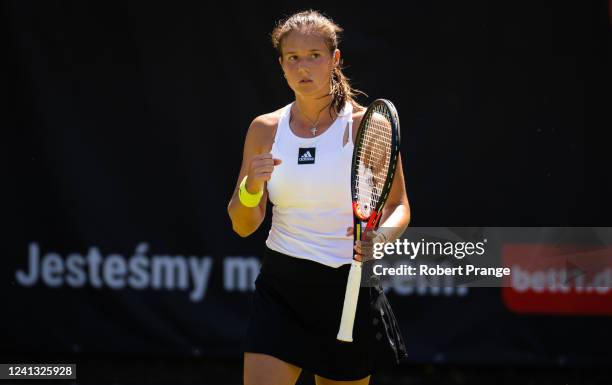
column 311, row 192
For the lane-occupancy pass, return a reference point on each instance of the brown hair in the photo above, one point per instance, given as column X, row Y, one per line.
column 312, row 20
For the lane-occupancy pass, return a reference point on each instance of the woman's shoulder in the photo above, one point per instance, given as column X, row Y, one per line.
column 268, row 120
column 263, row 129
column 358, row 112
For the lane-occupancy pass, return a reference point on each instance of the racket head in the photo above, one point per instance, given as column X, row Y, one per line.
column 374, row 159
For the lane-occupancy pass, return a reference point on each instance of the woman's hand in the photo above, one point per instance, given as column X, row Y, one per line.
column 363, row 248
column 260, row 171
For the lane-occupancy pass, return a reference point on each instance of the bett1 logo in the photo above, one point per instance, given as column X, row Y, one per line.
column 548, row 279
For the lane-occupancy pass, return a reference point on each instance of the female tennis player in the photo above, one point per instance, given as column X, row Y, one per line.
column 300, row 157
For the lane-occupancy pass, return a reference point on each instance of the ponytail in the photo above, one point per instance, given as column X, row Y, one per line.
column 342, row 91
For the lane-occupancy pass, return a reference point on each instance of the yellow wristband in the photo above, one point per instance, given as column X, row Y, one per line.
column 246, row 198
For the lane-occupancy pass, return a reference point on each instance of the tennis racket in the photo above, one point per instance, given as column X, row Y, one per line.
column 372, row 171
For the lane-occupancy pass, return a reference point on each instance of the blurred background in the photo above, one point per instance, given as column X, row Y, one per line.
column 124, row 126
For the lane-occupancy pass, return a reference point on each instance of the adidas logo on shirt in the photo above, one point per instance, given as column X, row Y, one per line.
column 306, row 155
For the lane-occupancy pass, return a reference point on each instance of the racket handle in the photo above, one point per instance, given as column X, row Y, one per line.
column 350, row 303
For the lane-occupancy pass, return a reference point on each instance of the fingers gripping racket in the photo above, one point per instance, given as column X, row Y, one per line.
column 372, row 171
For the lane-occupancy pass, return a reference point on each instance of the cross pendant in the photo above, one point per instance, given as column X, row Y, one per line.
column 314, row 131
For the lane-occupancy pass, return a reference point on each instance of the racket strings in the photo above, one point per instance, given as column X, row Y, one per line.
column 373, row 158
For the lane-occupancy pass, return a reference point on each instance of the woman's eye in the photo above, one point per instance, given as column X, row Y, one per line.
column 315, row 55
column 292, row 58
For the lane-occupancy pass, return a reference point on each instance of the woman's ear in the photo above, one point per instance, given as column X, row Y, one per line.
column 280, row 61
column 337, row 56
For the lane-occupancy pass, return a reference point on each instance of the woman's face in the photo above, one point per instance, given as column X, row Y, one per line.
column 307, row 63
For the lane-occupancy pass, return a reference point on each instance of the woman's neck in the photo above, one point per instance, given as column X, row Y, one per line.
column 314, row 109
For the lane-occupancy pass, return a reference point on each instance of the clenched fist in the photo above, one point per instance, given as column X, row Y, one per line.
column 261, row 167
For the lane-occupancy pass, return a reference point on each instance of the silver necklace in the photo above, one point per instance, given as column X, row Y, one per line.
column 314, row 128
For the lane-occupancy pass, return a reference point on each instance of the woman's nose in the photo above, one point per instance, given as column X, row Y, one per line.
column 303, row 64
column 303, row 69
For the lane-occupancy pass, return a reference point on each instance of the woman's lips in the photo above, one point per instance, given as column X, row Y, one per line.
column 305, row 81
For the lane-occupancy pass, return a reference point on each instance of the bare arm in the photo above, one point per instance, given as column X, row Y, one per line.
column 258, row 164
column 396, row 212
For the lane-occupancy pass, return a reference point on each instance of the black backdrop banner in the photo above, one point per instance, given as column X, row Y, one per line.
column 124, row 140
